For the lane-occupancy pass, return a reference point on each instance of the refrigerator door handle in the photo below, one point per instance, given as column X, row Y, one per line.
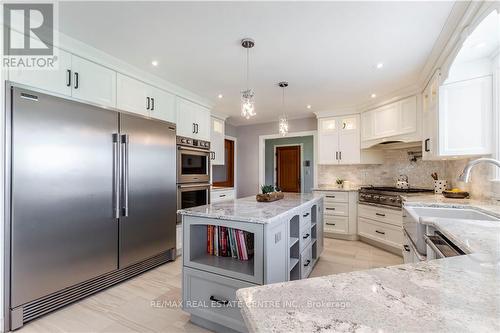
column 116, row 177
column 124, row 146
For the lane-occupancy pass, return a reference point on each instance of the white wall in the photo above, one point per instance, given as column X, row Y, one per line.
column 248, row 150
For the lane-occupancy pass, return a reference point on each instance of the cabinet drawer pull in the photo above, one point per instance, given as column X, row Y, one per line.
column 330, row 223
column 305, row 215
column 407, row 248
column 379, row 214
column 330, row 196
column 307, row 263
column 426, row 145
column 330, row 208
column 306, row 236
column 222, row 195
column 380, row 232
column 219, row 301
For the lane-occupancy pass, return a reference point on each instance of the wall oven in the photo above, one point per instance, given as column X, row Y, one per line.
column 193, row 161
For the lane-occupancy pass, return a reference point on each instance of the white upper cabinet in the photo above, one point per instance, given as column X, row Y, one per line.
column 132, row 95
column 57, row 81
column 93, row 82
column 339, row 142
column 458, row 101
column 396, row 121
column 162, row 105
column 217, row 137
column 193, row 120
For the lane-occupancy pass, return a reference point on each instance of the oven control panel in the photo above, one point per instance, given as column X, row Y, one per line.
column 195, row 143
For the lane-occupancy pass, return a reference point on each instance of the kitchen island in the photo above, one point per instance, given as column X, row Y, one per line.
column 244, row 243
column 454, row 294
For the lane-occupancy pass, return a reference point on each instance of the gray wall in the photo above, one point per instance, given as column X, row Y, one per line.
column 248, row 151
column 308, row 155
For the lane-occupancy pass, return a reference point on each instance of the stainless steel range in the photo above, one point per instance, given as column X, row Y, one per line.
column 386, row 195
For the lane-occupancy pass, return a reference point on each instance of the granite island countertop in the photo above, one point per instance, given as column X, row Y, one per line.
column 447, row 295
column 249, row 210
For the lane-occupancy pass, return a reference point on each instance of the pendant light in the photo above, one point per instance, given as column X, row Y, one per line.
column 247, row 95
column 283, row 121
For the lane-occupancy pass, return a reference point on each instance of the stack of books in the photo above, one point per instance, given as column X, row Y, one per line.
column 229, row 242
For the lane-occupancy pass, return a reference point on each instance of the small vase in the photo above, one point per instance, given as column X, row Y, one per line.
column 440, row 185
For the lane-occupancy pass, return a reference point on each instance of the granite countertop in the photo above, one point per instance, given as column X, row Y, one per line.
column 447, row 295
column 249, row 210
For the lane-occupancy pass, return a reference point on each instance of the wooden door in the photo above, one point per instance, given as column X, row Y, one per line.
column 288, row 168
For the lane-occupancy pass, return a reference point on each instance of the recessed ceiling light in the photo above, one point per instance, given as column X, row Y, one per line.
column 373, row 95
column 380, row 65
column 154, row 63
column 308, row 106
column 219, row 96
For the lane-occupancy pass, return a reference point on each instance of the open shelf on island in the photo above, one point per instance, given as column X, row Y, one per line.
column 293, row 263
column 293, row 240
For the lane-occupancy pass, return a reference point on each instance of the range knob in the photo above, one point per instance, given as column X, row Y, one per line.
column 376, row 197
column 189, row 141
column 183, row 140
column 206, row 144
column 393, row 199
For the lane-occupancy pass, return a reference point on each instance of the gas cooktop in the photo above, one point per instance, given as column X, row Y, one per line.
column 386, row 195
column 395, row 189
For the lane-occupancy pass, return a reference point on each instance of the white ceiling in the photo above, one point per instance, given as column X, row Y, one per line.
column 326, row 50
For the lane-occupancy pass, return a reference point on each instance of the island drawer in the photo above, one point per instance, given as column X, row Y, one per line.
column 306, row 262
column 213, row 297
column 339, row 209
column 305, row 216
column 336, row 224
column 305, row 236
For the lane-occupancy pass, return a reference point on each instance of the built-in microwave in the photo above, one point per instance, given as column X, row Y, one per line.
column 193, row 161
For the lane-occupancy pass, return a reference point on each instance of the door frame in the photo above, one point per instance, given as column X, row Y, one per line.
column 262, row 154
column 275, row 173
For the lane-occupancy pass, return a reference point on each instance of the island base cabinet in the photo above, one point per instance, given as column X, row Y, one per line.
column 306, row 262
column 213, row 298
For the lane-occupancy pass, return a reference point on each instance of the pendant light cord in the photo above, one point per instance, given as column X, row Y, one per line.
column 248, row 67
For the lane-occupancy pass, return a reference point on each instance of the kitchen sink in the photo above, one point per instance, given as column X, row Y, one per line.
column 453, row 213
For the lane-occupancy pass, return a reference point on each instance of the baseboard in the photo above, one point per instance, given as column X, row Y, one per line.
column 334, row 235
column 383, row 246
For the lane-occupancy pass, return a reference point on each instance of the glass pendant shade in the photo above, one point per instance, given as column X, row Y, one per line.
column 283, row 125
column 247, row 104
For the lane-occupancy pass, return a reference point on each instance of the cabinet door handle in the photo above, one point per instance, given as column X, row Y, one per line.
column 214, row 155
column 194, row 128
column 337, row 155
column 306, row 236
column 426, row 145
column 407, row 248
column 379, row 214
column 148, row 104
column 68, row 82
column 197, row 128
column 340, row 155
column 307, row 263
column 306, row 215
column 380, row 232
column 77, row 83
column 219, row 301
column 152, row 103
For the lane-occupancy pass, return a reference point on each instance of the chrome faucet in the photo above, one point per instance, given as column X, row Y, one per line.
column 465, row 176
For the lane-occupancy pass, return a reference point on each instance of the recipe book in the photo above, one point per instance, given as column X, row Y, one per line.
column 229, row 242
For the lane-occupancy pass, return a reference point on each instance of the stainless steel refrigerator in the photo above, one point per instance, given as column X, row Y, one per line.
column 92, row 199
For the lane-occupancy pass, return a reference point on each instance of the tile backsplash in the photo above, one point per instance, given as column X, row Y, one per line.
column 397, row 162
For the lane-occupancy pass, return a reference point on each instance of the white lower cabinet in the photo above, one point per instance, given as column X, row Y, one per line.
column 223, row 194
column 340, row 214
column 380, row 224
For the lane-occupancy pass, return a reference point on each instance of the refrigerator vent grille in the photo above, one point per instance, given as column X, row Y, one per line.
column 69, row 295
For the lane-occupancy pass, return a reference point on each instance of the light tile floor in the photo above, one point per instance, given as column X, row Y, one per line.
column 129, row 306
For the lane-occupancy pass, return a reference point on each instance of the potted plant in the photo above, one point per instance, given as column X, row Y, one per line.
column 340, row 183
column 269, row 193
